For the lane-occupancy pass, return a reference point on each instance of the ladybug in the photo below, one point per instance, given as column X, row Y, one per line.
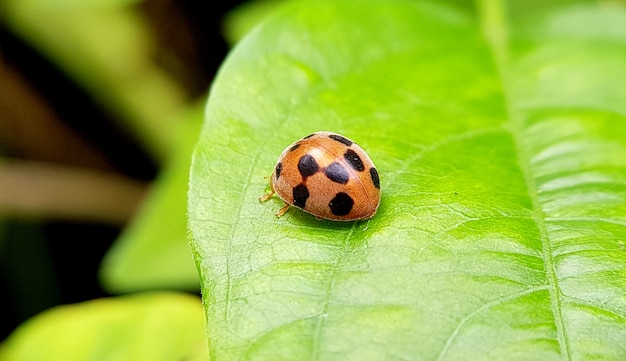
column 327, row 175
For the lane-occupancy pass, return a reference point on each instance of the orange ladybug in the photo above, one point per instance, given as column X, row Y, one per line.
column 327, row 175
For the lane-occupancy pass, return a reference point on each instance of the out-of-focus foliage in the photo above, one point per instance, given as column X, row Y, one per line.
column 153, row 251
column 106, row 47
column 241, row 20
column 152, row 326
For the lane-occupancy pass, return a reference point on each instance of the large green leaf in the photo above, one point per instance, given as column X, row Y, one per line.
column 500, row 136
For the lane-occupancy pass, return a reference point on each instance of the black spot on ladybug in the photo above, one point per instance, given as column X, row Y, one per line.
column 354, row 160
column 337, row 173
column 279, row 168
column 295, row 146
column 374, row 175
column 341, row 139
column 309, row 136
column 307, row 165
column 341, row 204
column 300, row 195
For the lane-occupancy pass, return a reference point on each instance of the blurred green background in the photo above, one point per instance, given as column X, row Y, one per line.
column 100, row 105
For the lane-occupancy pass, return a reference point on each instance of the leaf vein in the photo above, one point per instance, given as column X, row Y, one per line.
column 499, row 301
column 496, row 31
column 323, row 316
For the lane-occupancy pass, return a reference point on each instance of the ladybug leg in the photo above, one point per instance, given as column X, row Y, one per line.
column 282, row 211
column 269, row 195
column 266, row 196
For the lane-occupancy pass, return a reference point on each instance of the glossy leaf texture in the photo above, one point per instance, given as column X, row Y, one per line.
column 499, row 133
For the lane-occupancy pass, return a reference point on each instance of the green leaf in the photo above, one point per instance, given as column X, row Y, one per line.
column 153, row 250
column 500, row 139
column 153, row 326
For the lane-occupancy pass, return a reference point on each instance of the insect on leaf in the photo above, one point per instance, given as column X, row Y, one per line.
column 499, row 133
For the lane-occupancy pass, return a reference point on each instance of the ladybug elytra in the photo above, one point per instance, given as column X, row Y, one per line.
column 327, row 175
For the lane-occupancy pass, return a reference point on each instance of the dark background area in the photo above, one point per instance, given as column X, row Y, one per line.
column 44, row 263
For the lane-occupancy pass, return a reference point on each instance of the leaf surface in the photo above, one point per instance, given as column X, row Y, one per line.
column 500, row 139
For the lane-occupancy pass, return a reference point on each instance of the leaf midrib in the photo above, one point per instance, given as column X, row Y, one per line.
column 317, row 348
column 494, row 25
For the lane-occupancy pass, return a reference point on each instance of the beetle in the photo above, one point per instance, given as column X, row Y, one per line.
column 327, row 175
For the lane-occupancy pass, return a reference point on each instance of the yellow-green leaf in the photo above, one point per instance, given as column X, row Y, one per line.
column 154, row 326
